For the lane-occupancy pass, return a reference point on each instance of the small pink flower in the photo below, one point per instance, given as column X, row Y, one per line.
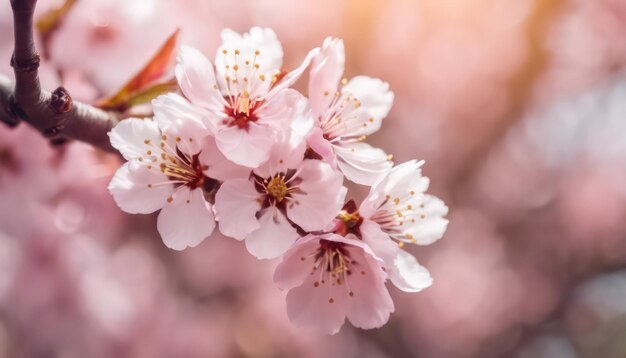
column 173, row 165
column 397, row 208
column 284, row 193
column 331, row 277
column 248, row 105
column 345, row 113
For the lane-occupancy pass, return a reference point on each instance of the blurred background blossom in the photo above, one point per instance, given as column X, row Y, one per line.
column 518, row 108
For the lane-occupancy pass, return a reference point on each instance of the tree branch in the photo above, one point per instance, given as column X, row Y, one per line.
column 54, row 114
column 6, row 89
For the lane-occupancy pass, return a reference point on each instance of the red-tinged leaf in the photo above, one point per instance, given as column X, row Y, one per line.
column 150, row 93
column 49, row 22
column 156, row 67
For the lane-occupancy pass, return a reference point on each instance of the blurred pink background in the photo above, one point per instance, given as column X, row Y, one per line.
column 517, row 106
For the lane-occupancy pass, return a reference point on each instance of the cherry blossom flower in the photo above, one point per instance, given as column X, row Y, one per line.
column 242, row 149
column 284, row 194
column 321, row 270
column 331, row 277
column 398, row 209
column 173, row 165
column 345, row 113
column 245, row 95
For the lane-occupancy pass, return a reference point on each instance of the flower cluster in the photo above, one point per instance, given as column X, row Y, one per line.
column 240, row 148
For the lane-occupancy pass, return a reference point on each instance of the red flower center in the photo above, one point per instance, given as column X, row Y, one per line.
column 242, row 113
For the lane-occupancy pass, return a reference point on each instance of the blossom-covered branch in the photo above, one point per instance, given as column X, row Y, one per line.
column 240, row 150
column 55, row 114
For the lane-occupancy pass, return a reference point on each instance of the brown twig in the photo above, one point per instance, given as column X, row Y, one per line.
column 54, row 114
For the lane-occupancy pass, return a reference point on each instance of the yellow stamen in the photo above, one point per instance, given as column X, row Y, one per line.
column 277, row 188
column 244, row 103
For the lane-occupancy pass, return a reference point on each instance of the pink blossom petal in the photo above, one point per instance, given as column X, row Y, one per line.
column 236, row 205
column 133, row 137
column 187, row 220
column 220, row 168
column 274, row 236
column 292, row 76
column 322, row 300
column 181, row 122
column 310, row 306
column 196, row 79
column 288, row 110
column 320, row 145
column 380, row 242
column 292, row 270
column 362, row 163
column 408, row 275
column 326, row 71
column 301, row 117
column 249, row 147
column 320, row 197
column 285, row 154
column 135, row 191
column 371, row 304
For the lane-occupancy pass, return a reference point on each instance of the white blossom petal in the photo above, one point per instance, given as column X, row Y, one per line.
column 181, row 122
column 136, row 189
column 133, row 137
column 236, row 205
column 408, row 275
column 263, row 40
column 403, row 182
column 431, row 224
column 256, row 56
column 374, row 96
column 187, row 220
column 286, row 154
column 362, row 163
column 288, row 110
column 219, row 167
column 249, row 147
column 196, row 79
